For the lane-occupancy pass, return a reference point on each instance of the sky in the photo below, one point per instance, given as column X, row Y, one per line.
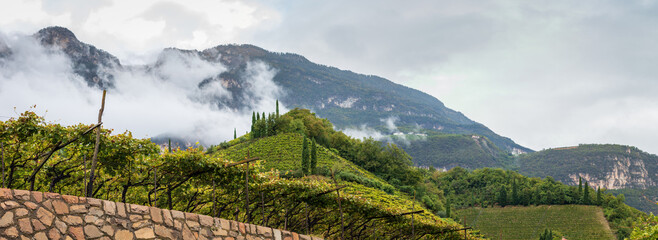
column 543, row 73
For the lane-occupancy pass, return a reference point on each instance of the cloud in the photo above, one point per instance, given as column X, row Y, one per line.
column 364, row 131
column 149, row 101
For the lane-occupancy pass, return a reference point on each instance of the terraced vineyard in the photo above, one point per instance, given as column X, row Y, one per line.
column 572, row 221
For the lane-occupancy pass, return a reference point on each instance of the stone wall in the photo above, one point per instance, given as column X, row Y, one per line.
column 37, row 215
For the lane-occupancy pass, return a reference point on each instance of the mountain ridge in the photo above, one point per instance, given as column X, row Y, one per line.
column 346, row 98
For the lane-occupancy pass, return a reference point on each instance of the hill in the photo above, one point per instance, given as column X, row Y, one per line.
column 571, row 221
column 602, row 165
column 346, row 98
column 446, row 151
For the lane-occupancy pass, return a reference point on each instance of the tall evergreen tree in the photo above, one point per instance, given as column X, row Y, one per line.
column 598, row 196
column 235, row 133
column 580, row 187
column 547, row 235
column 314, row 157
column 305, row 157
column 277, row 108
column 502, row 196
column 586, row 199
column 253, row 121
column 515, row 192
column 448, row 207
column 169, row 145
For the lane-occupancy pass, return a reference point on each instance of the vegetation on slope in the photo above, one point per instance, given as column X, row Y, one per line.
column 441, row 150
column 570, row 221
column 594, row 160
column 136, row 171
column 497, row 187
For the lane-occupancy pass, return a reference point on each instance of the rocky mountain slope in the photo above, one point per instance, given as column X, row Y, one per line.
column 345, row 98
column 607, row 166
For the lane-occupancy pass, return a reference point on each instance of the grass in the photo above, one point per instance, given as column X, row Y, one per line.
column 572, row 221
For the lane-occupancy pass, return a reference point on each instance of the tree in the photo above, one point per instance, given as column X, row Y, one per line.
column 235, row 133
column 277, row 108
column 580, row 187
column 502, row 196
column 515, row 192
column 314, row 158
column 305, row 157
column 547, row 235
column 448, row 203
column 253, row 121
column 586, row 199
column 598, row 196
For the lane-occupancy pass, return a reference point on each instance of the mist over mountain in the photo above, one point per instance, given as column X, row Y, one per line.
column 204, row 95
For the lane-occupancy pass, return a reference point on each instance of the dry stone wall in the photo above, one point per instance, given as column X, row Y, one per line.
column 37, row 215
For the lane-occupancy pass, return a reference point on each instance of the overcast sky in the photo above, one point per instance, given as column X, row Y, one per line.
column 544, row 73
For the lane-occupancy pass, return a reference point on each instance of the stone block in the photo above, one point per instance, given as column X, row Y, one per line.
column 38, row 226
column 40, row 236
column 96, row 211
column 54, row 234
column 242, row 228
column 156, row 215
column 145, row 233
column 164, row 232
column 25, row 226
column 20, row 212
column 92, row 231
column 48, row 204
column 141, row 224
column 51, row 195
column 7, row 219
column 78, row 208
column 7, row 205
column 94, row 202
column 191, row 216
column 187, row 234
column 31, row 205
column 168, row 219
column 121, row 209
column 72, row 220
column 22, row 194
column 177, row 214
column 11, row 232
column 6, row 194
column 124, row 234
column 109, row 230
column 277, row 234
column 139, row 209
column 70, row 199
column 109, row 207
column 60, row 207
column 37, row 196
column 61, row 226
column 264, row 231
column 205, row 221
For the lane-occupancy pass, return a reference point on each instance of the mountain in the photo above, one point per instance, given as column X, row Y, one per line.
column 602, row 165
column 345, row 98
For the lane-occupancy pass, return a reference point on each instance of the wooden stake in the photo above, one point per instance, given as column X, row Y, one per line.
column 2, row 145
column 94, row 159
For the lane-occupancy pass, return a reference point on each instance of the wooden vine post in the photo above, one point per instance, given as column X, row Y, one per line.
column 2, row 145
column 94, row 159
column 340, row 208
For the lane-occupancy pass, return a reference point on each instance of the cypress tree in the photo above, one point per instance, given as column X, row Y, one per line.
column 277, row 108
column 598, row 196
column 580, row 187
column 448, row 203
column 305, row 160
column 586, row 199
column 502, row 196
column 170, row 145
column 314, row 157
column 235, row 133
column 515, row 192
column 547, row 235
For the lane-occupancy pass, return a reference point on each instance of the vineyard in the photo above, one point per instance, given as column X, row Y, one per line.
column 355, row 204
column 570, row 221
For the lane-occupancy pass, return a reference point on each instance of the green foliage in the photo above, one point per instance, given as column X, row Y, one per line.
column 570, row 221
column 134, row 171
column 451, row 150
column 314, row 158
column 305, row 157
column 645, row 228
column 546, row 235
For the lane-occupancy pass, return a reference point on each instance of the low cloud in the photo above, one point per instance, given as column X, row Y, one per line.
column 148, row 101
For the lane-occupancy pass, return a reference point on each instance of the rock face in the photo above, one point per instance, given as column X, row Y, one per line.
column 94, row 65
column 98, row 219
column 607, row 166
